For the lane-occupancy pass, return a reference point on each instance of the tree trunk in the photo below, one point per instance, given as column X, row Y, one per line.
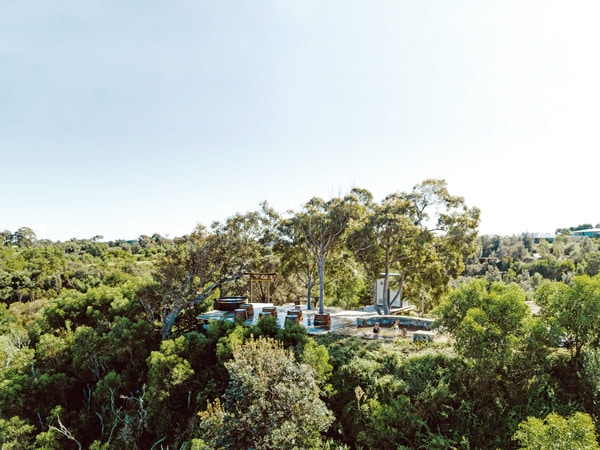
column 398, row 293
column 384, row 297
column 321, row 271
column 386, row 283
column 169, row 313
column 168, row 320
column 309, row 289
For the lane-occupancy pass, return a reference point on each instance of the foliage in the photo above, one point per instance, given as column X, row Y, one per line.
column 272, row 402
column 315, row 232
column 574, row 309
column 15, row 433
column 317, row 357
column 170, row 385
column 556, row 432
column 423, row 236
column 204, row 262
column 347, row 285
column 86, row 360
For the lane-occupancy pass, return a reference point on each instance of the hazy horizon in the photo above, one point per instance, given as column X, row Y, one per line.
column 122, row 119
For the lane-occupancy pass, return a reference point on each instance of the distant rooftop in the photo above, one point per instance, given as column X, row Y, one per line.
column 590, row 232
column 538, row 236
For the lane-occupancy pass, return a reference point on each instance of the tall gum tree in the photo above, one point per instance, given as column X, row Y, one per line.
column 318, row 229
column 574, row 309
column 423, row 236
column 295, row 256
column 205, row 261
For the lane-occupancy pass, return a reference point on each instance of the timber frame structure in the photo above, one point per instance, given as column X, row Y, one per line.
column 260, row 277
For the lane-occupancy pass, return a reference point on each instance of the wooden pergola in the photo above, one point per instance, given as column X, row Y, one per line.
column 260, row 277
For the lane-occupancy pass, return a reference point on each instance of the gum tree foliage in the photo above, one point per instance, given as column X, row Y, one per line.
column 73, row 336
column 201, row 264
column 28, row 274
column 486, row 322
column 386, row 398
column 15, row 434
column 295, row 257
column 169, row 378
column 377, row 244
column 558, row 433
column 347, row 285
column 317, row 229
column 272, row 402
column 79, row 358
column 507, row 355
column 16, row 360
column 573, row 310
column 23, row 237
column 424, row 236
column 592, row 263
column 376, row 411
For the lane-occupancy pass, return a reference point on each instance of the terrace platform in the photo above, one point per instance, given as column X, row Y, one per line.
column 348, row 322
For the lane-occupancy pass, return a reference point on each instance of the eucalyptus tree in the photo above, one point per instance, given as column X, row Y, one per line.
column 424, row 236
column 485, row 320
column 382, row 237
column 557, row 432
column 23, row 237
column 506, row 358
column 201, row 264
column 347, row 285
column 573, row 310
column 5, row 237
column 592, row 263
column 295, row 257
column 316, row 231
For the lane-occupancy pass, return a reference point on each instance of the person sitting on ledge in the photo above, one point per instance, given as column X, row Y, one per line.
column 376, row 330
column 374, row 334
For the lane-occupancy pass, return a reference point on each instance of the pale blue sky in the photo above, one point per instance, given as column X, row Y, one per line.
column 127, row 118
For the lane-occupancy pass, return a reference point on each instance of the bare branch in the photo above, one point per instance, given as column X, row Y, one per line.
column 65, row 432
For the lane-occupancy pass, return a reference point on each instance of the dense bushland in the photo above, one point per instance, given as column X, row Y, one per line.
column 86, row 360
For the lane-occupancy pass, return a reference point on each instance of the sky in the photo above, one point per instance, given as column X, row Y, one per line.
column 119, row 119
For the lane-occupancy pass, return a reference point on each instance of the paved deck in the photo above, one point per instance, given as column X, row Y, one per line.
column 342, row 321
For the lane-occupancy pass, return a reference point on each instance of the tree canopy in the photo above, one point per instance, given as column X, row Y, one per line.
column 100, row 346
column 422, row 236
